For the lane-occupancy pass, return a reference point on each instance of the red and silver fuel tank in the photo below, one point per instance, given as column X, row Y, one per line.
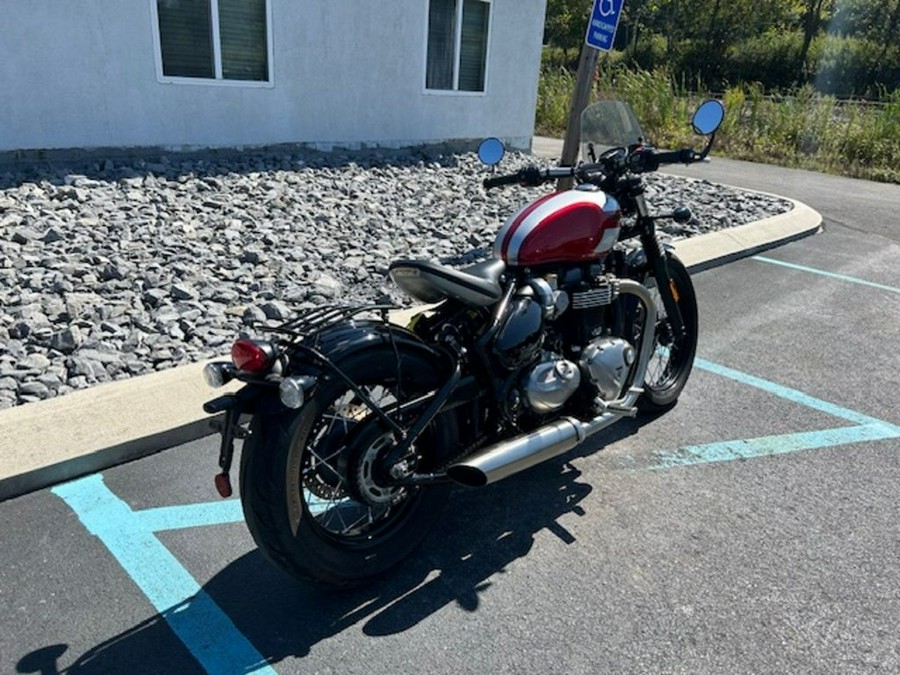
column 563, row 227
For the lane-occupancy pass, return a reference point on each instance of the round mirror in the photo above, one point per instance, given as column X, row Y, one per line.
column 708, row 117
column 491, row 151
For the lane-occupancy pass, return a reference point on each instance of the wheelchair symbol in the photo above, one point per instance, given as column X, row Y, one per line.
column 606, row 7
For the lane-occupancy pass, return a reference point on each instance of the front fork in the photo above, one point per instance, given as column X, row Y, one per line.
column 656, row 262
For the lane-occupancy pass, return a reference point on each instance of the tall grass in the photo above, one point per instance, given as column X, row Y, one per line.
column 803, row 129
column 554, row 97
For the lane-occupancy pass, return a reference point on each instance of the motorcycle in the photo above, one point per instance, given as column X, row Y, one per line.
column 358, row 428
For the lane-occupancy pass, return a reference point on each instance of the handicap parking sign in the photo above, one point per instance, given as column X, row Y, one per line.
column 603, row 23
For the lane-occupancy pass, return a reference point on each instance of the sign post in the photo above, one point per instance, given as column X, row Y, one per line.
column 601, row 32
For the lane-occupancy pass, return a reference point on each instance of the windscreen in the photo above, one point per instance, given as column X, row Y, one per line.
column 609, row 124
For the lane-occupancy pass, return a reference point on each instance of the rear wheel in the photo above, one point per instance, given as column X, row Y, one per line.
column 313, row 483
column 673, row 357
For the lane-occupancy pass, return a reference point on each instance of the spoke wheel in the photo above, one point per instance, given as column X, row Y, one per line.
column 314, row 482
column 672, row 358
column 341, row 482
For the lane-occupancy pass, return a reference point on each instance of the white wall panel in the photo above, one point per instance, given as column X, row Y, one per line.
column 83, row 74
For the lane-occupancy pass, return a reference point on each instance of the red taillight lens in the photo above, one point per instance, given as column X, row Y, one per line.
column 252, row 356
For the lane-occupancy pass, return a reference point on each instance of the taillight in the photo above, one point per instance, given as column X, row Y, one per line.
column 252, row 356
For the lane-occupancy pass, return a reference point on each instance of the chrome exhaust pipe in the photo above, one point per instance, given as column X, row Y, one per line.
column 517, row 454
column 511, row 456
column 503, row 459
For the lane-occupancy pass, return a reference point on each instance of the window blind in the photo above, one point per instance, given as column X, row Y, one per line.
column 441, row 44
column 185, row 38
column 242, row 32
column 473, row 45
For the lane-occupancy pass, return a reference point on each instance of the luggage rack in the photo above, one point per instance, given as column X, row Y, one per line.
column 317, row 319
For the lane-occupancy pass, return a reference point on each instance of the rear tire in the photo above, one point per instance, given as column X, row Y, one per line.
column 309, row 485
column 672, row 360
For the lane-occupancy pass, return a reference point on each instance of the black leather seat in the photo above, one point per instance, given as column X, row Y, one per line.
column 431, row 282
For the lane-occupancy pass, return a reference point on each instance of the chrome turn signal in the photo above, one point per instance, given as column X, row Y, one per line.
column 292, row 390
column 218, row 373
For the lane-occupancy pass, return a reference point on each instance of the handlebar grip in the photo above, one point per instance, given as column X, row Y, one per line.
column 559, row 172
column 510, row 179
column 685, row 156
column 530, row 176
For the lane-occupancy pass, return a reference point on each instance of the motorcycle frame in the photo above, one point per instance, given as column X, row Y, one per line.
column 458, row 388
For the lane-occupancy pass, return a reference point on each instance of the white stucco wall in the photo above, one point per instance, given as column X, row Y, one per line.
column 83, row 74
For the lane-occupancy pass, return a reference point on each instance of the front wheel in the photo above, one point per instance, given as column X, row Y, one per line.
column 673, row 357
column 312, row 483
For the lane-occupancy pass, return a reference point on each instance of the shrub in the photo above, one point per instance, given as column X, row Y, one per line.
column 844, row 66
column 771, row 58
column 802, row 128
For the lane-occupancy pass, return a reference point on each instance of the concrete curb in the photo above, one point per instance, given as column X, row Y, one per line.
column 718, row 248
column 59, row 439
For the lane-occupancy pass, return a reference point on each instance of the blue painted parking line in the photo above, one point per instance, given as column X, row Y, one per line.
column 190, row 612
column 786, row 392
column 866, row 429
column 190, row 515
column 775, row 445
column 211, row 636
column 832, row 275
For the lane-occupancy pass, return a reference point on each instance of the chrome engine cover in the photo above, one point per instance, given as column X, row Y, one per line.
column 607, row 362
column 550, row 383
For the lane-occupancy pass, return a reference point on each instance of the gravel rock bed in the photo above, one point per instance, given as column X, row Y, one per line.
column 114, row 270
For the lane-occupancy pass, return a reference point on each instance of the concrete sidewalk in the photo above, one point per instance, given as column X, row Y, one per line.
column 52, row 441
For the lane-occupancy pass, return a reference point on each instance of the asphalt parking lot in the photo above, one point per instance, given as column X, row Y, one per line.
column 751, row 529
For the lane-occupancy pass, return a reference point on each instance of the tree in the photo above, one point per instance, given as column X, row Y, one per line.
column 813, row 19
column 566, row 24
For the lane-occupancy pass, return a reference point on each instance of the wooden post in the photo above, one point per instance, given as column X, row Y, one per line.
column 586, row 65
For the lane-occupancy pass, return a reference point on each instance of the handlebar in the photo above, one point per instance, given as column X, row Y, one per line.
column 685, row 156
column 638, row 160
column 510, row 179
column 531, row 176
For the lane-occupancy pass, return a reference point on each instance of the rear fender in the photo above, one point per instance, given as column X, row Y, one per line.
column 326, row 355
column 340, row 342
column 333, row 347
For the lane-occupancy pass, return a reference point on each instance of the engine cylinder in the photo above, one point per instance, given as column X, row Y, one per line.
column 521, row 334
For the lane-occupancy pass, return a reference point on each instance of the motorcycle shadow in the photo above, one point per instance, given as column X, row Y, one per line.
column 481, row 533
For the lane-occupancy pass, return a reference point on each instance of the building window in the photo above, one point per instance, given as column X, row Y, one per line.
column 457, row 44
column 214, row 39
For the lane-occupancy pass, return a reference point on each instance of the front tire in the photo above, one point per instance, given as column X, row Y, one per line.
column 310, row 479
column 673, row 358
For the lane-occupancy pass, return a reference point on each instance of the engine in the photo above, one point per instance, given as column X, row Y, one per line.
column 607, row 362
column 550, row 383
column 554, row 341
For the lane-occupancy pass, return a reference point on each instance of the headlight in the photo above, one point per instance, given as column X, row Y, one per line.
column 292, row 390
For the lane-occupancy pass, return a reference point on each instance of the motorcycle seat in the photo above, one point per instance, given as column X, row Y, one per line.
column 430, row 282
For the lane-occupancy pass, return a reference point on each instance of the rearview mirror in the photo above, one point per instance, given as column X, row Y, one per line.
column 491, row 151
column 708, row 117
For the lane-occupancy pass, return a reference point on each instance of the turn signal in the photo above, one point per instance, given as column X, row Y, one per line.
column 218, row 373
column 252, row 356
column 292, row 390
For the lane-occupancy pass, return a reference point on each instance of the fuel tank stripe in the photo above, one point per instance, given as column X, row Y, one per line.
column 545, row 209
column 506, row 232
